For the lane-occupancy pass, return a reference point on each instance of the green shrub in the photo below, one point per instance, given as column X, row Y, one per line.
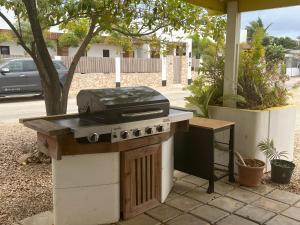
column 261, row 84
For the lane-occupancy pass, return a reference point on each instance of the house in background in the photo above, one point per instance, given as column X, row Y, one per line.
column 141, row 50
column 292, row 61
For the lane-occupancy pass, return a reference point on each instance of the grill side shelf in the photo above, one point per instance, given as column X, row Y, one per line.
column 47, row 127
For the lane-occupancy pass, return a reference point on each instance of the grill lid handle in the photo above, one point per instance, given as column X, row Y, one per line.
column 138, row 114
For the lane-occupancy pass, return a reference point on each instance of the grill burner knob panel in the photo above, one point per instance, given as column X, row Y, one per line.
column 93, row 138
column 124, row 134
column 159, row 128
column 148, row 130
column 137, row 132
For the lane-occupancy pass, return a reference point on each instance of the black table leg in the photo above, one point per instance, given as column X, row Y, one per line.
column 231, row 155
column 211, row 160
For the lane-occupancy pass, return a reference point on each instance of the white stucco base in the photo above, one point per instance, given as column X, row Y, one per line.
column 167, row 160
column 86, row 189
column 253, row 126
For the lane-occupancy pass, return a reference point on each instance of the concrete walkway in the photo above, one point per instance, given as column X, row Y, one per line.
column 231, row 204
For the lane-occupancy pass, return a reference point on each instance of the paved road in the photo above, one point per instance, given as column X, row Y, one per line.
column 13, row 109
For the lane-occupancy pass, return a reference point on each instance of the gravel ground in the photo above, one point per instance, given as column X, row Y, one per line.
column 24, row 189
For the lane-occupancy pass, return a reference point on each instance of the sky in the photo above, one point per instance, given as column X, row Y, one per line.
column 285, row 21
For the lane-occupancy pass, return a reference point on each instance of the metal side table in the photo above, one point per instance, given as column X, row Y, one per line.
column 194, row 150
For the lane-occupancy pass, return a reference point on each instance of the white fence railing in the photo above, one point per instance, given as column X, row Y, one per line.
column 107, row 65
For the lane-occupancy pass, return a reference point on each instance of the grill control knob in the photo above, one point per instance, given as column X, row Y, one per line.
column 124, row 134
column 160, row 128
column 148, row 130
column 93, row 138
column 137, row 132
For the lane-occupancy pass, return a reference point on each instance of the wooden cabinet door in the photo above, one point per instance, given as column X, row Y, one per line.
column 140, row 179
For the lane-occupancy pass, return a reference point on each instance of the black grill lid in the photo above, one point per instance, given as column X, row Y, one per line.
column 99, row 100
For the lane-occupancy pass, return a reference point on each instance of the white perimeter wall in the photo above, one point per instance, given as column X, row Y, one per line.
column 16, row 49
column 96, row 50
column 293, row 71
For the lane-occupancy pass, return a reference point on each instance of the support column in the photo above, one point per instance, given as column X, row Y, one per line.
column 189, row 60
column 231, row 54
column 118, row 71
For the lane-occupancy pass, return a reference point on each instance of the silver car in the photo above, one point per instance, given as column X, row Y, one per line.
column 20, row 76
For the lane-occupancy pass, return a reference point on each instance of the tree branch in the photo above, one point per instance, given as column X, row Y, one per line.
column 91, row 33
column 127, row 33
column 18, row 35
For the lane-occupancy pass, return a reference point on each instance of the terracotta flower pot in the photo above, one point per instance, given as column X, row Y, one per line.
column 250, row 174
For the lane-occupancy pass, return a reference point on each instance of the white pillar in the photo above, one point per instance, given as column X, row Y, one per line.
column 189, row 60
column 163, row 70
column 231, row 54
column 118, row 71
column 147, row 51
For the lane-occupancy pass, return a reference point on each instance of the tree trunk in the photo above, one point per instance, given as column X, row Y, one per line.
column 49, row 76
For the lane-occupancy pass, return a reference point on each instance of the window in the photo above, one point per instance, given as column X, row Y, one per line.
column 29, row 66
column 4, row 50
column 15, row 66
column 106, row 53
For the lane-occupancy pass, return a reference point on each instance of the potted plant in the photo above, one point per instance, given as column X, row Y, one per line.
column 250, row 171
column 281, row 170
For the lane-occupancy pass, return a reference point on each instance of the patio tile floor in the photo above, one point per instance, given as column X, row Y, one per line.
column 189, row 204
column 181, row 187
column 256, row 214
column 140, row 219
column 184, row 203
column 243, row 195
column 222, row 187
column 227, row 204
column 187, row 219
column 164, row 213
column 270, row 205
column 262, row 189
column 292, row 212
column 172, row 195
column 201, row 195
column 282, row 220
column 195, row 180
column 235, row 220
column 209, row 213
column 284, row 196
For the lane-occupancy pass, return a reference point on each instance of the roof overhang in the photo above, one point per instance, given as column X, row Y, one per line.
column 219, row 6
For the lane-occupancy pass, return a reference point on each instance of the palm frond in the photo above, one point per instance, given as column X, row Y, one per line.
column 268, row 148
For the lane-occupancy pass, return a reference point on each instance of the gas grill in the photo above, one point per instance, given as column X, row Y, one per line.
column 117, row 105
column 119, row 147
column 114, row 115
